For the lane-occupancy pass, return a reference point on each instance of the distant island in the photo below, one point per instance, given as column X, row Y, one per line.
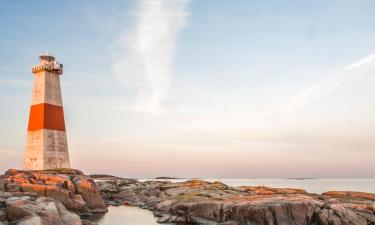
column 167, row 178
column 300, row 178
column 177, row 178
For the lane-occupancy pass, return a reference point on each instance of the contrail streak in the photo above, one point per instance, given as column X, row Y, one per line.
column 146, row 53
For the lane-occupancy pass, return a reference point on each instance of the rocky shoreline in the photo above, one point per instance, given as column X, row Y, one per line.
column 205, row 203
column 58, row 197
column 68, row 197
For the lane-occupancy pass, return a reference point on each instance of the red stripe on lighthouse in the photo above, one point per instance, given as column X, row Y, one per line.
column 46, row 116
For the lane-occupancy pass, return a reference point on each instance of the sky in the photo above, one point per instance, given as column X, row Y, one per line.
column 198, row 88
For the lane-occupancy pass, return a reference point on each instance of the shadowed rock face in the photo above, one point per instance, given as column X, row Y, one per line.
column 32, row 210
column 200, row 202
column 68, row 187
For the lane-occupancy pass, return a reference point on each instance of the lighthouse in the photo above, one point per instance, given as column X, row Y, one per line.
column 46, row 143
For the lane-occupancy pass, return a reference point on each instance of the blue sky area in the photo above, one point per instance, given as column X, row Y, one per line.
column 199, row 88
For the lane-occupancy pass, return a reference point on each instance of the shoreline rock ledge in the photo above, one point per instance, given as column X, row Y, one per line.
column 214, row 203
column 48, row 197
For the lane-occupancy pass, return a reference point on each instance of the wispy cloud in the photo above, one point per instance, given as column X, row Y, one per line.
column 145, row 54
column 362, row 62
column 326, row 87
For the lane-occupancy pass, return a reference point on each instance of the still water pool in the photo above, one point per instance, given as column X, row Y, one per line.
column 126, row 215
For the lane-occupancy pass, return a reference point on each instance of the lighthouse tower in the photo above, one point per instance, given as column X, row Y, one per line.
column 46, row 144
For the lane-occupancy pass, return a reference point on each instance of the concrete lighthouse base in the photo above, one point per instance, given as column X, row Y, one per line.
column 46, row 149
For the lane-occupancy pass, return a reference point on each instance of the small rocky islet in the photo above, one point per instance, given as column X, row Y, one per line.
column 67, row 197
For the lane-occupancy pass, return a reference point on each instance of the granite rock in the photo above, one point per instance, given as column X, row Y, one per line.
column 214, row 203
column 72, row 188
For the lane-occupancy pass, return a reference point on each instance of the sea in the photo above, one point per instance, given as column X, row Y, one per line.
column 127, row 215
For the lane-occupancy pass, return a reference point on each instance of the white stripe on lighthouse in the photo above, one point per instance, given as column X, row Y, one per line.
column 46, row 89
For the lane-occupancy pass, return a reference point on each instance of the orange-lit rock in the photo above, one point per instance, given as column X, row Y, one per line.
column 60, row 194
column 90, row 194
column 11, row 172
column 263, row 190
column 39, row 189
column 350, row 194
column 21, row 178
column 81, row 196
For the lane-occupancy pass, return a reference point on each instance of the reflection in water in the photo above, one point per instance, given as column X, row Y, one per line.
column 126, row 215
